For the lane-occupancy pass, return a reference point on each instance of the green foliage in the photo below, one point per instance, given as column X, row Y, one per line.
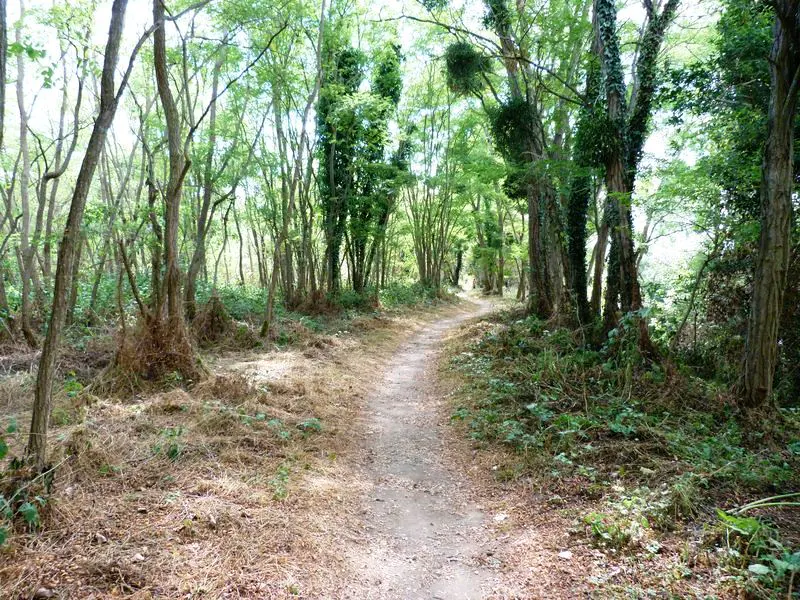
column 498, row 15
column 280, row 429
column 513, row 128
column 170, row 443
column 310, row 425
column 22, row 497
column 756, row 551
column 610, row 531
column 466, row 68
column 360, row 182
column 433, row 5
column 536, row 388
column 657, row 452
column 280, row 482
column 387, row 80
column 396, row 295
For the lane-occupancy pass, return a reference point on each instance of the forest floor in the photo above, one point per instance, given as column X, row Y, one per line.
column 318, row 470
column 329, row 468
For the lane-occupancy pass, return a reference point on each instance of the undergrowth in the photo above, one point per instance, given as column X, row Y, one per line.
column 652, row 450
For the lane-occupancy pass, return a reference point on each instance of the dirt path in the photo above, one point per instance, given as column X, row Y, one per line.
column 425, row 537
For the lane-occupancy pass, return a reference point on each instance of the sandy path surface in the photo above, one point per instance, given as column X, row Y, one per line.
column 425, row 538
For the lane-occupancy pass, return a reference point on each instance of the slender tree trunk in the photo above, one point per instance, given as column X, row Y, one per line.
column 769, row 283
column 109, row 99
column 241, row 247
column 26, row 250
column 4, row 307
column 599, row 261
column 178, row 167
column 73, row 292
column 501, row 262
column 199, row 255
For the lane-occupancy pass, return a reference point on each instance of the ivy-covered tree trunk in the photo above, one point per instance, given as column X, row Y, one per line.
column 581, row 191
column 627, row 127
column 342, row 75
column 769, row 283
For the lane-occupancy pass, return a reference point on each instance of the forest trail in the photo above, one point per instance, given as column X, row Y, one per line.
column 425, row 537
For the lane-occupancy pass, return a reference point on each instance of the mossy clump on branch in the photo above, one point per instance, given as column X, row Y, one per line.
column 465, row 68
column 513, row 129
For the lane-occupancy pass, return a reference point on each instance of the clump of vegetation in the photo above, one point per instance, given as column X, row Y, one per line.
column 23, row 494
column 658, row 450
column 213, row 323
column 214, row 326
column 154, row 355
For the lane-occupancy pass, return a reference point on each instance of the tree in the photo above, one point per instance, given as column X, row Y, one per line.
column 774, row 248
column 627, row 124
column 109, row 100
column 357, row 185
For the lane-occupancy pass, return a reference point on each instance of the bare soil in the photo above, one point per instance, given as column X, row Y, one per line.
column 425, row 532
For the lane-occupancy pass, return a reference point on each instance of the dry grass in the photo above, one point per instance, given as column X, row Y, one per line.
column 16, row 391
column 158, row 354
column 240, row 488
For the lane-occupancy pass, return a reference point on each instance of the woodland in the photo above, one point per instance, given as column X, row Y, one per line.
column 220, row 219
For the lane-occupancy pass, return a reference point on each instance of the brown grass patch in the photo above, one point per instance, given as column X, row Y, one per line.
column 241, row 487
column 157, row 355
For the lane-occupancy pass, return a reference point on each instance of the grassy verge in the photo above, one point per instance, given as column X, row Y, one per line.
column 653, row 467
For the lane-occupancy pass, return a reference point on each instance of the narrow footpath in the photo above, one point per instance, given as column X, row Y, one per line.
column 425, row 538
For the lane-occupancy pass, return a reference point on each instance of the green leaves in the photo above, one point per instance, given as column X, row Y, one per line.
column 33, row 53
column 746, row 526
column 29, row 513
column 465, row 68
column 759, row 569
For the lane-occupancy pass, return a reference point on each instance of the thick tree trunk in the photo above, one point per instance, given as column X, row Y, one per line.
column 37, row 442
column 582, row 190
column 628, row 126
column 769, row 283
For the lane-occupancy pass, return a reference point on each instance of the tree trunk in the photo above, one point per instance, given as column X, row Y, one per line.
column 199, row 255
column 73, row 292
column 599, row 261
column 109, row 99
column 769, row 283
column 628, row 126
column 178, row 167
column 581, row 190
column 26, row 250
